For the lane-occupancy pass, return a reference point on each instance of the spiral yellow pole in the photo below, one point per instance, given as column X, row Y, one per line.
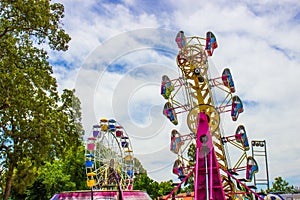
column 193, row 63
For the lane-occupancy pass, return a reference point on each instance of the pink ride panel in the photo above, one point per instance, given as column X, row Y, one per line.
column 101, row 195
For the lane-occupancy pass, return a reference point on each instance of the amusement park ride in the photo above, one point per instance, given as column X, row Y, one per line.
column 109, row 157
column 214, row 176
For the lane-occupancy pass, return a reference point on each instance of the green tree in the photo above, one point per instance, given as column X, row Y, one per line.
column 165, row 188
column 66, row 174
column 138, row 167
column 37, row 125
column 74, row 165
column 192, row 161
column 281, row 186
column 145, row 183
column 64, row 158
column 153, row 188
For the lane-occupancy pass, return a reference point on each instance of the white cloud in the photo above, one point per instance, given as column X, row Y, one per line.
column 258, row 43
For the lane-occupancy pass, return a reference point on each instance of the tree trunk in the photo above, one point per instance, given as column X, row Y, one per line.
column 9, row 181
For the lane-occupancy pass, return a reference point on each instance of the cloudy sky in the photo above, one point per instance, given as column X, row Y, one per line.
column 120, row 50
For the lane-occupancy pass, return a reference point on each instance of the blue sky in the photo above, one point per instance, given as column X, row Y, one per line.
column 120, row 50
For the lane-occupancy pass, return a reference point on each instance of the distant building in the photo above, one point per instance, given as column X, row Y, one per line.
column 295, row 196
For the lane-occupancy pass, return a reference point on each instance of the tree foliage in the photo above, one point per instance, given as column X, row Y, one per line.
column 192, row 161
column 153, row 188
column 66, row 174
column 37, row 125
column 281, row 186
column 138, row 167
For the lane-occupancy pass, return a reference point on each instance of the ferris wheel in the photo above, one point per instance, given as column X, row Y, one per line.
column 216, row 175
column 109, row 159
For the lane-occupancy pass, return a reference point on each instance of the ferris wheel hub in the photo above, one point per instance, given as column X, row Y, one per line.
column 210, row 111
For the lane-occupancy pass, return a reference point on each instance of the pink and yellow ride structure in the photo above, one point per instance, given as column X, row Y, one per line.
column 215, row 178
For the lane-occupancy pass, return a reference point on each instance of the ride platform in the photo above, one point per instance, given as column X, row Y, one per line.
column 97, row 194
